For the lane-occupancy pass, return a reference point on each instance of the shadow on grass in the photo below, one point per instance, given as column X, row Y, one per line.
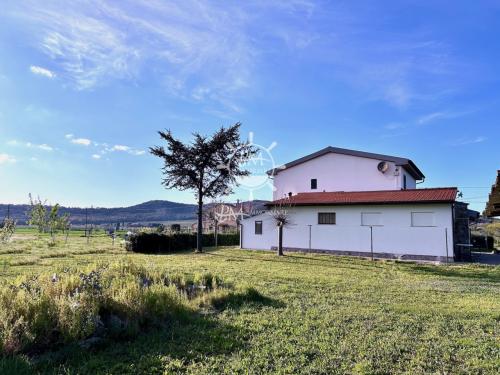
column 249, row 298
column 470, row 272
column 329, row 261
column 189, row 337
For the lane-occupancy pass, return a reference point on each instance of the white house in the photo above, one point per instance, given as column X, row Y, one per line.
column 356, row 203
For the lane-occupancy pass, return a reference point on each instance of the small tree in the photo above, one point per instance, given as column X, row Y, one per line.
column 7, row 229
column 37, row 214
column 57, row 222
column 209, row 166
column 281, row 216
column 214, row 216
column 47, row 220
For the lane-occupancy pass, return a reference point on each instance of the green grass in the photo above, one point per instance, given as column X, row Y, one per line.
column 313, row 314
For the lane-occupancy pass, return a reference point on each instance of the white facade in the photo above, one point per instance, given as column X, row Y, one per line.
column 340, row 172
column 403, row 229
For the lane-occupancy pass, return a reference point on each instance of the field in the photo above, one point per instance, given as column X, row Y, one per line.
column 319, row 315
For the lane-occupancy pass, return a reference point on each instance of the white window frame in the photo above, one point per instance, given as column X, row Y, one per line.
column 372, row 225
column 423, row 226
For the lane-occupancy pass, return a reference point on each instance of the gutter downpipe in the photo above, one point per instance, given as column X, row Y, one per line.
column 420, row 182
column 453, row 227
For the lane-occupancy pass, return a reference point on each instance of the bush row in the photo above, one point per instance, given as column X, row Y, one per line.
column 105, row 301
column 482, row 242
column 154, row 243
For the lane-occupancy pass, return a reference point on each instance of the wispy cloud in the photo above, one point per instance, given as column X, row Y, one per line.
column 445, row 115
column 6, row 158
column 95, row 41
column 394, row 126
column 38, row 70
column 469, row 141
column 81, row 141
column 123, row 148
column 43, row 146
column 120, row 148
column 213, row 51
column 103, row 148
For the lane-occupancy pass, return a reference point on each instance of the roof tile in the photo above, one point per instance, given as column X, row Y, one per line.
column 435, row 195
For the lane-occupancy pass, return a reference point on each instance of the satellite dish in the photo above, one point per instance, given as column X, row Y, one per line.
column 383, row 166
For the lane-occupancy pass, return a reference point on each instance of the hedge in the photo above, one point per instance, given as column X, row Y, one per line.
column 154, row 243
column 482, row 242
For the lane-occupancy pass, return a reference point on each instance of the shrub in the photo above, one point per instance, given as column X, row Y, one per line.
column 482, row 242
column 113, row 300
column 7, row 229
column 154, row 243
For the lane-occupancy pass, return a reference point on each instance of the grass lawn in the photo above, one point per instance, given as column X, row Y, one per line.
column 320, row 315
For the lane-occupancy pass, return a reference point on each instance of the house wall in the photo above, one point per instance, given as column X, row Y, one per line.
column 395, row 235
column 338, row 172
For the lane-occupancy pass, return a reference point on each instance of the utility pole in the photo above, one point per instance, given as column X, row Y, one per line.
column 86, row 223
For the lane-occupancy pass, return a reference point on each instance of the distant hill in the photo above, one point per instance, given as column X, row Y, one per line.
column 156, row 211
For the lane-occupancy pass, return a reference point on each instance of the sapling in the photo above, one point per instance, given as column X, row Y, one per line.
column 281, row 216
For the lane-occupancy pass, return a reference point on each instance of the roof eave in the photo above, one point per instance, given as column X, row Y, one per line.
column 271, row 204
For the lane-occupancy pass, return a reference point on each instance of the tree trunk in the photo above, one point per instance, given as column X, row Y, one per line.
column 280, row 240
column 199, row 233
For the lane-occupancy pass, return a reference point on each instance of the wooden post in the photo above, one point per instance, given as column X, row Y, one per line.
column 86, row 223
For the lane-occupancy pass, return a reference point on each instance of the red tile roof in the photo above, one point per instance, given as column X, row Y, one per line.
column 436, row 195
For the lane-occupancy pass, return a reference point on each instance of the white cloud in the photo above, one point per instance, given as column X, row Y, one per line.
column 81, row 141
column 443, row 115
column 38, row 70
column 394, row 126
column 138, row 152
column 103, row 147
column 44, row 146
column 6, row 158
column 431, row 117
column 212, row 51
column 94, row 41
column 127, row 149
column 120, row 148
column 469, row 141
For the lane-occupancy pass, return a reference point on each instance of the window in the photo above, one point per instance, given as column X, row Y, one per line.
column 404, row 182
column 422, row 219
column 327, row 218
column 314, row 183
column 258, row 227
column 371, row 218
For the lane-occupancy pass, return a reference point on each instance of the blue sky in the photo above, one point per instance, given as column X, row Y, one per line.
column 85, row 85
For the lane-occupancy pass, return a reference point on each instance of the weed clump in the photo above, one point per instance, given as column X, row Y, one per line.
column 102, row 301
